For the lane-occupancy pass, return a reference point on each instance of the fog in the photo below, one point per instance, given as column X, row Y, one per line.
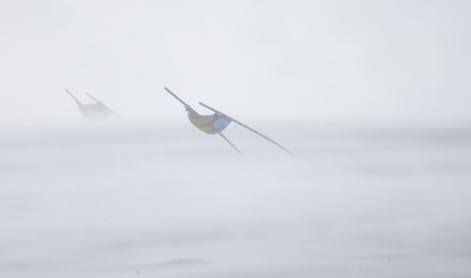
column 271, row 61
column 370, row 96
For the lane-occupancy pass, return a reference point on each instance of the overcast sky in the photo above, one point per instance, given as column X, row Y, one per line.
column 309, row 61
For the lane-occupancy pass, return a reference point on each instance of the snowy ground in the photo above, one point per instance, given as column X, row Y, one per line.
column 171, row 202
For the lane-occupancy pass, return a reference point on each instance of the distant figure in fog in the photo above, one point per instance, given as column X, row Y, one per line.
column 93, row 111
column 217, row 122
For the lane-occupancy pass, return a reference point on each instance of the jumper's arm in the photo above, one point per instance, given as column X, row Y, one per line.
column 249, row 128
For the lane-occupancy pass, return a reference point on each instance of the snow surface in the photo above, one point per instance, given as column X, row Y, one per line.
column 173, row 202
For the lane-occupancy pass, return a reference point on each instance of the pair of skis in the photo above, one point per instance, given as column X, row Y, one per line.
column 217, row 112
column 76, row 100
column 97, row 110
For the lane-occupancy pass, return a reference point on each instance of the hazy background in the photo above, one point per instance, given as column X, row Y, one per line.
column 371, row 96
column 268, row 61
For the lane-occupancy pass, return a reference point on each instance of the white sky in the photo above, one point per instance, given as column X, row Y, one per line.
column 310, row 61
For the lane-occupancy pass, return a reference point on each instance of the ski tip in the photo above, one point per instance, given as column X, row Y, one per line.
column 92, row 97
column 69, row 93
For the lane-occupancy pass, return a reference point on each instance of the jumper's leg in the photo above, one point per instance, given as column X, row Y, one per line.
column 230, row 143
